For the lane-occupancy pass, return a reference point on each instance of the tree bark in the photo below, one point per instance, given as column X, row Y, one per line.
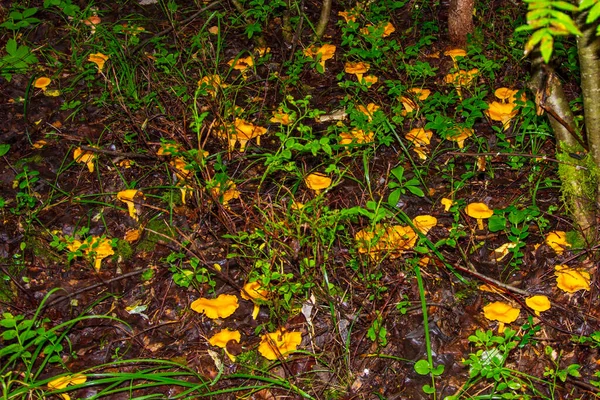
column 460, row 21
column 324, row 19
column 588, row 47
column 574, row 174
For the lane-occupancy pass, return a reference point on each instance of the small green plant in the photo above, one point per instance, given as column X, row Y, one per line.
column 516, row 223
column 400, row 186
column 190, row 272
column 18, row 59
column 377, row 331
column 488, row 364
column 20, row 19
column 26, row 196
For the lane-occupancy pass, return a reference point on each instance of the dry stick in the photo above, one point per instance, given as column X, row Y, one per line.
column 171, row 28
column 85, row 289
column 115, row 153
column 499, row 154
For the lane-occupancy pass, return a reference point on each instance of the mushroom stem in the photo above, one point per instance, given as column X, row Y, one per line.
column 480, row 223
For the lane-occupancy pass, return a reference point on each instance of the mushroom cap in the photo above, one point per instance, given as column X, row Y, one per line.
column 478, row 210
column 453, row 53
column 460, row 134
column 317, row 181
column 504, row 93
column 501, row 312
column 92, row 20
column 42, row 82
column 419, row 136
column 538, row 303
column 571, row 280
column 357, row 136
column 246, row 130
column 254, row 291
column 368, row 110
column 221, row 338
column 127, row 195
column 558, row 241
column 356, row 67
column 327, row 51
column 503, row 112
column 447, row 203
column 221, row 307
column 99, row 59
column 424, row 223
column 461, row 77
column 242, row 63
column 279, row 343
column 421, row 94
column 63, row 381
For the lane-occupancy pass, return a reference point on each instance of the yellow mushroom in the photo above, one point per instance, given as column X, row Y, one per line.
column 479, row 211
column 63, row 381
column 242, row 63
column 558, row 241
column 86, row 157
column 503, row 112
column 454, row 53
column 571, row 280
column 447, row 203
column 221, row 338
column 99, row 59
column 42, row 83
column 327, row 51
column 279, row 343
column 221, row 307
column 129, row 197
column 317, row 182
column 356, row 68
column 506, row 95
column 459, row 135
column 460, row 79
column 424, row 223
column 254, row 292
column 538, row 303
column 502, row 312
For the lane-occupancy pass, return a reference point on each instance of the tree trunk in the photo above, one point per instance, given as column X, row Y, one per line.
column 460, row 21
column 324, row 19
column 577, row 189
column 588, row 47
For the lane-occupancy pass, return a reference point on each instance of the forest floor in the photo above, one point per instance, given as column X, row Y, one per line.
column 193, row 170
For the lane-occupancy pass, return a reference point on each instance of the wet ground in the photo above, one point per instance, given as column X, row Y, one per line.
column 359, row 311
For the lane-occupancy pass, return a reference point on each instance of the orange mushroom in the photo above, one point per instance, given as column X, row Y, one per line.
column 42, row 83
column 317, row 182
column 479, row 211
column 357, row 68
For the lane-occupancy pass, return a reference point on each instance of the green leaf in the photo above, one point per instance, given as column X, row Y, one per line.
column 593, row 14
column 564, row 5
column 422, row 367
column 29, row 12
column 11, row 46
column 415, row 190
column 428, row 389
column 10, row 334
column 587, row 4
column 535, row 38
column 546, row 48
column 394, row 197
column 437, row 371
column 4, row 148
column 496, row 223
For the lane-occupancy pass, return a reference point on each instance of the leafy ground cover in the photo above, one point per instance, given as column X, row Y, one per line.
column 205, row 200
